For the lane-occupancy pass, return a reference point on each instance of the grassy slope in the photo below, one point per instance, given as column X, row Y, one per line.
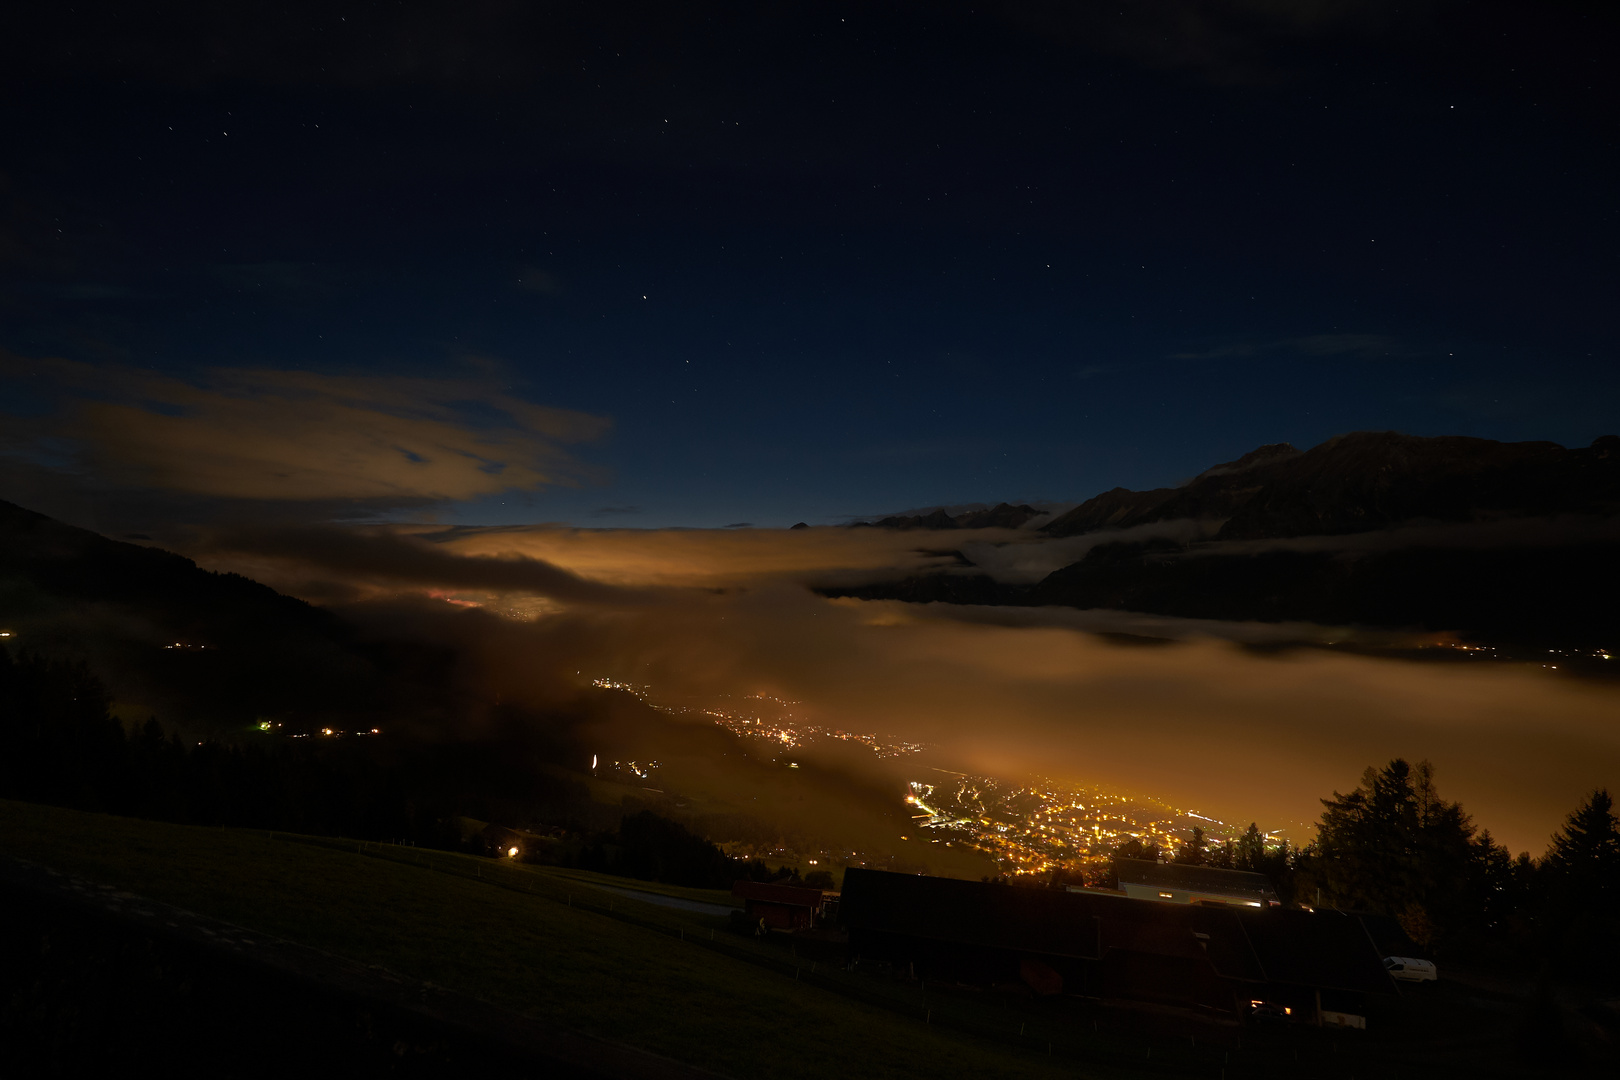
column 707, row 896
column 530, row 953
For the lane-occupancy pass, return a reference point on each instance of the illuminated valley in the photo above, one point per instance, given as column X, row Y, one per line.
column 1034, row 826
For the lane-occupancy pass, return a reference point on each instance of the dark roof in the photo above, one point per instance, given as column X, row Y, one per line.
column 1388, row 936
column 1047, row 921
column 791, row 895
column 1196, row 878
column 1324, row 949
column 1327, row 949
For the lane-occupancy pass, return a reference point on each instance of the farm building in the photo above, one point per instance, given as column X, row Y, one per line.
column 1179, row 883
column 782, row 907
column 1212, row 959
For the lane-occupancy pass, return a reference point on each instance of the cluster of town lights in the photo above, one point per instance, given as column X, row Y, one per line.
column 785, row 731
column 1038, row 827
column 1031, row 828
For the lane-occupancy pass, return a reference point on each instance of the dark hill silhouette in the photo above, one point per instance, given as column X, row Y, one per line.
column 72, row 563
column 244, row 650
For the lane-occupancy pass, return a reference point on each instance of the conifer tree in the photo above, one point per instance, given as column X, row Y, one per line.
column 1195, row 851
column 1585, row 854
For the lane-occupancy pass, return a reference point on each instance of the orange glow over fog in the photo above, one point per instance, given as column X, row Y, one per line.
column 711, row 557
column 1200, row 723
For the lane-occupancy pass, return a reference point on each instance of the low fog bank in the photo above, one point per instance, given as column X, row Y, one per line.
column 536, row 614
column 1027, row 559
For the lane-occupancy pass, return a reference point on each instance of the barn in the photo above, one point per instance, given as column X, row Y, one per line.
column 1211, row 959
column 781, row 907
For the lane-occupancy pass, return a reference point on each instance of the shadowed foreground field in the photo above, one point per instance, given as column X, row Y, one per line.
column 531, row 952
column 569, row 954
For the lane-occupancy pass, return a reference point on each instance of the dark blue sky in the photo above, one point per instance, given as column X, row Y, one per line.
column 817, row 260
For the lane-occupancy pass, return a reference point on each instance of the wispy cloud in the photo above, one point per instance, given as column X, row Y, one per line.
column 285, row 435
column 399, row 559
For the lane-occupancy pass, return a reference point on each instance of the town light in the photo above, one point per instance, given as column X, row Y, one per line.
column 512, row 851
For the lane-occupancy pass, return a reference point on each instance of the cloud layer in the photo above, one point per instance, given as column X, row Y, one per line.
column 285, row 436
column 1204, row 723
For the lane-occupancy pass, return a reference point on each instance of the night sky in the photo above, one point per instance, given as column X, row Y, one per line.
column 704, row 264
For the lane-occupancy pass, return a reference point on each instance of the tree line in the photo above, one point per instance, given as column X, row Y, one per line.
column 1394, row 847
column 60, row 744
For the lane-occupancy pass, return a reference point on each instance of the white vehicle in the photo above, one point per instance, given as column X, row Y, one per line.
column 1409, row 970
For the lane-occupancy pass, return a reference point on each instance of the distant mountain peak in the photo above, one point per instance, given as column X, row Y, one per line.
column 1365, row 480
column 1264, row 455
column 1000, row 516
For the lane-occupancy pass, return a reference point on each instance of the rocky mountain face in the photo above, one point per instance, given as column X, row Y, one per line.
column 1508, row 541
column 1213, row 493
column 1371, row 480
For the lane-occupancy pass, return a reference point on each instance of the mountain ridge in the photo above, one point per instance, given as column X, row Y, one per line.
column 1353, row 482
column 1254, row 512
column 1367, row 480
